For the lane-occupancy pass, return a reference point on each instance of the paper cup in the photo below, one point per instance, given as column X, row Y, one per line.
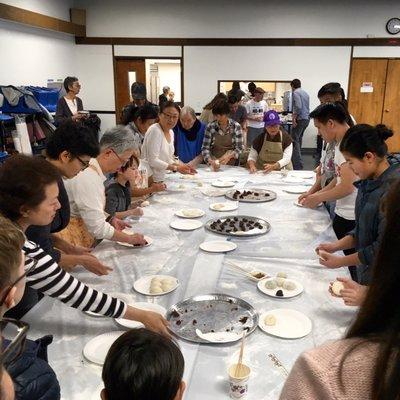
column 238, row 383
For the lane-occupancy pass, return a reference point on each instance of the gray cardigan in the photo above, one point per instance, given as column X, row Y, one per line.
column 63, row 112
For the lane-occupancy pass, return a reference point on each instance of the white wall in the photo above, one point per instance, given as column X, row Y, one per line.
column 378, row 52
column 314, row 66
column 238, row 18
column 52, row 8
column 30, row 56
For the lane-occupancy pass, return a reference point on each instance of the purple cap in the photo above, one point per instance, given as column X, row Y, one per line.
column 271, row 117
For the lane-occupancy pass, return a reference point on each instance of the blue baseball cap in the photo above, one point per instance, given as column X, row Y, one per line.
column 271, row 117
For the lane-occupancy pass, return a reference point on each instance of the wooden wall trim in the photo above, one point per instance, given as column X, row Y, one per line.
column 238, row 42
column 19, row 15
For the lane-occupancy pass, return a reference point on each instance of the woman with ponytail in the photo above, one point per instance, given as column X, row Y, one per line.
column 366, row 364
column 366, row 152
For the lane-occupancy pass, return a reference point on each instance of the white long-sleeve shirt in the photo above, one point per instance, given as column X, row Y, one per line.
column 87, row 200
column 157, row 153
column 285, row 160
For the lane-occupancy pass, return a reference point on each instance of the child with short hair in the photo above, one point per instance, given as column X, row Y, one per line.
column 143, row 365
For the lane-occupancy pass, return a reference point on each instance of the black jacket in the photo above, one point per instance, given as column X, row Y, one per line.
column 63, row 112
column 33, row 377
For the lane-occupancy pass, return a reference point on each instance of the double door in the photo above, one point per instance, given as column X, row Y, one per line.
column 374, row 94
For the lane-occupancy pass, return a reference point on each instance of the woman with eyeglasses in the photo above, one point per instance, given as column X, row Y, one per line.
column 366, row 363
column 69, row 149
column 158, row 146
column 89, row 222
column 32, row 376
column 29, row 196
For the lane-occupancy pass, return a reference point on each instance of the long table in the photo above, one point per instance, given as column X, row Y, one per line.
column 289, row 247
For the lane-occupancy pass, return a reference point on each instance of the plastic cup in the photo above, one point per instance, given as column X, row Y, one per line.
column 238, row 378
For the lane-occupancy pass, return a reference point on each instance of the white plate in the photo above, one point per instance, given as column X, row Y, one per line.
column 226, row 206
column 295, row 189
column 218, row 246
column 290, row 324
column 164, row 200
column 177, row 188
column 296, row 203
column 207, row 191
column 186, row 224
column 126, row 323
column 97, row 348
column 142, row 285
column 223, row 184
column 127, row 298
column 148, row 239
column 292, row 179
column 190, row 213
column 287, row 294
column 304, row 174
column 219, row 337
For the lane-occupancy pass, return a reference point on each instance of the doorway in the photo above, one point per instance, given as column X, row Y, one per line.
column 373, row 94
column 155, row 73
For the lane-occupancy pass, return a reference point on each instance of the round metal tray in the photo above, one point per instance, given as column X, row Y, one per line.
column 211, row 312
column 266, row 227
column 272, row 195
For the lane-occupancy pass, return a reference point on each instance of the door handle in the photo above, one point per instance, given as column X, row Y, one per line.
column 387, row 110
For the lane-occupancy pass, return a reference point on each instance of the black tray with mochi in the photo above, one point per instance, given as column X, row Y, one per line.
column 251, row 195
column 238, row 226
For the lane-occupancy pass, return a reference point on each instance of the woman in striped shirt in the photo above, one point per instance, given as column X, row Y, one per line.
column 29, row 196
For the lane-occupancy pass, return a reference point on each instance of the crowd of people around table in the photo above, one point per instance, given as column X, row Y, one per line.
column 55, row 208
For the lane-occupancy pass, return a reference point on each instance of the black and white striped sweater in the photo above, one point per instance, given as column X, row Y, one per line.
column 50, row 279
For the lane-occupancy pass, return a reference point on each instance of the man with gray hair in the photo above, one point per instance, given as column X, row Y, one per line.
column 163, row 98
column 87, row 194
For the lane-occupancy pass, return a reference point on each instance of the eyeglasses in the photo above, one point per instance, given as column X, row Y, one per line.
column 14, row 334
column 172, row 117
column 85, row 164
column 119, row 158
column 33, row 263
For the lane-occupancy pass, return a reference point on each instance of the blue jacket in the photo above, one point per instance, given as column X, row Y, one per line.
column 33, row 377
column 369, row 218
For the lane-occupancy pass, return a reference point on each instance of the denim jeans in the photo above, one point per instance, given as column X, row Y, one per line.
column 297, row 133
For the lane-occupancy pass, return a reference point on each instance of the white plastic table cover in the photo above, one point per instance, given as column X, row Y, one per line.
column 289, row 247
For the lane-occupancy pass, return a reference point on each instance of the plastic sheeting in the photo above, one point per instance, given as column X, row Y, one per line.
column 289, row 247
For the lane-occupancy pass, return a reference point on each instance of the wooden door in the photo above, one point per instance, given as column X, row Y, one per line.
column 127, row 71
column 391, row 108
column 364, row 105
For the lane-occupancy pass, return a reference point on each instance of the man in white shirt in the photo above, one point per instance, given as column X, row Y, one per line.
column 255, row 108
column 87, row 194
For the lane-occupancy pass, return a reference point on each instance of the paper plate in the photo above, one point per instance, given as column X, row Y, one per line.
column 295, row 189
column 223, row 184
column 292, row 179
column 186, row 224
column 226, row 206
column 219, row 337
column 148, row 239
column 287, row 294
column 290, row 324
column 126, row 323
column 142, row 285
column 304, row 174
column 190, row 213
column 296, row 203
column 127, row 298
column 97, row 348
column 218, row 246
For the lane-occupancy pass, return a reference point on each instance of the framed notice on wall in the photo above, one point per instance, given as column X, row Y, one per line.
column 367, row 87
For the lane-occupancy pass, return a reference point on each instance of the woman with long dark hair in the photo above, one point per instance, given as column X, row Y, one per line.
column 366, row 363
